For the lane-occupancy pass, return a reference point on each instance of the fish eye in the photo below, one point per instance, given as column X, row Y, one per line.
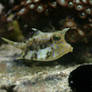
column 56, row 37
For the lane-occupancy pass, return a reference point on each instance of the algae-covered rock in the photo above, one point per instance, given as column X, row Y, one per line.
column 18, row 77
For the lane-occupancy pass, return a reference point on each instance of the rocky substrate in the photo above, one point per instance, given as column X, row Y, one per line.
column 18, row 76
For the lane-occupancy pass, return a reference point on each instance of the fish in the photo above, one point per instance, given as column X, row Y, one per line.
column 43, row 46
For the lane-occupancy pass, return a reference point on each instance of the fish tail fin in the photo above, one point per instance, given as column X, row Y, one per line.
column 20, row 45
column 8, row 41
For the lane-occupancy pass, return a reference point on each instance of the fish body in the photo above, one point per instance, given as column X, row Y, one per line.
column 44, row 46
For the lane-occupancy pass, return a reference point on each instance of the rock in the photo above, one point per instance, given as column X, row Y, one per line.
column 80, row 79
column 17, row 76
column 2, row 90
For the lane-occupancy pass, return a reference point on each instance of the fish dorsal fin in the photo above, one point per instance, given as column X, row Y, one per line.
column 36, row 32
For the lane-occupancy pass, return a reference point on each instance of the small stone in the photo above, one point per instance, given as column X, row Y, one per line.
column 2, row 90
column 80, row 79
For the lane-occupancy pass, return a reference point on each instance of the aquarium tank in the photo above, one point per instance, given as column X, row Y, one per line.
column 45, row 45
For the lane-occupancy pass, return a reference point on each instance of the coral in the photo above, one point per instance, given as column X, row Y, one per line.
column 82, row 7
column 75, row 14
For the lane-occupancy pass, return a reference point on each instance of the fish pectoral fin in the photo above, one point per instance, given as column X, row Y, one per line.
column 21, row 57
